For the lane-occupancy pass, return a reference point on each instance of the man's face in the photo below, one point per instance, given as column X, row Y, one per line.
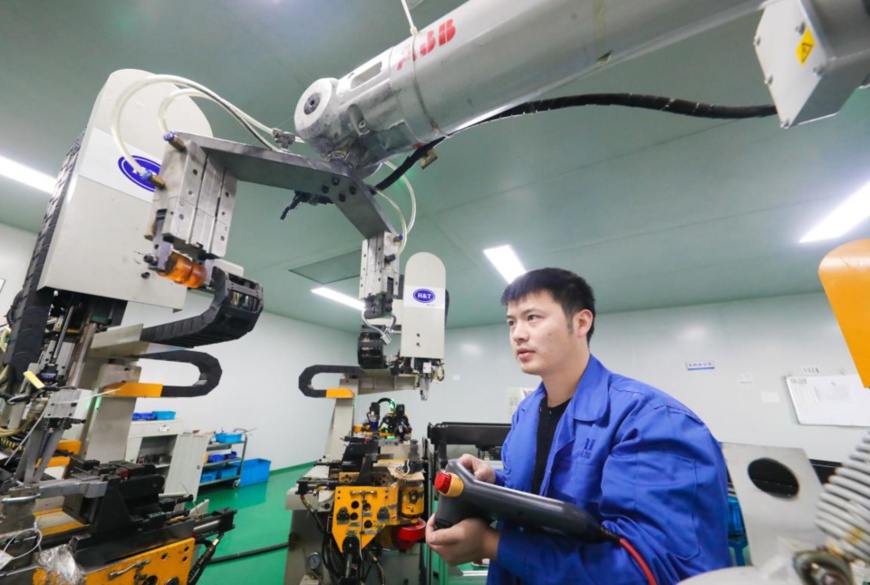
column 542, row 338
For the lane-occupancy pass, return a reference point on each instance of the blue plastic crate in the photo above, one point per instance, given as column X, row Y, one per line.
column 208, row 476
column 231, row 470
column 735, row 518
column 164, row 415
column 254, row 471
column 144, row 416
column 228, row 437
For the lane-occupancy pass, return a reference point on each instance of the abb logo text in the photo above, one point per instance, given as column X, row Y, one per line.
column 431, row 40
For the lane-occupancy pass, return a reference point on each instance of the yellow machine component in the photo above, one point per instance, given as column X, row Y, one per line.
column 167, row 564
column 51, row 522
column 845, row 275
column 34, row 381
column 183, row 270
column 68, row 445
column 58, row 461
column 339, row 393
column 136, row 390
column 411, row 498
column 364, row 511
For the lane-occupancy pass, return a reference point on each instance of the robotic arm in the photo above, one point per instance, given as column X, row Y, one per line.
column 488, row 56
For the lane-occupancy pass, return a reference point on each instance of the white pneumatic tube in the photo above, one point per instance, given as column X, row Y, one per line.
column 482, row 58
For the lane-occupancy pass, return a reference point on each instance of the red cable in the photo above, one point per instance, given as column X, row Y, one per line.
column 639, row 560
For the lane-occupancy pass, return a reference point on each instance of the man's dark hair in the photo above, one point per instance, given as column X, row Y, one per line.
column 567, row 288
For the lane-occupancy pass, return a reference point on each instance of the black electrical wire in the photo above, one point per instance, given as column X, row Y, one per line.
column 332, row 559
column 408, row 163
column 203, row 561
column 249, row 553
column 629, row 100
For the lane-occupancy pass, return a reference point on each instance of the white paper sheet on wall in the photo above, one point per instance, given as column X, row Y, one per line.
column 830, row 400
column 515, row 396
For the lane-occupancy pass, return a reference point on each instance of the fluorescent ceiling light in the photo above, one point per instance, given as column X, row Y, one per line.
column 24, row 174
column 506, row 262
column 339, row 298
column 850, row 213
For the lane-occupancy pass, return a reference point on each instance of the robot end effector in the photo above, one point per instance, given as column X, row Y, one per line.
column 413, row 304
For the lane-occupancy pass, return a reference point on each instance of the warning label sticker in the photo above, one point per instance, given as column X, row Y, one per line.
column 806, row 46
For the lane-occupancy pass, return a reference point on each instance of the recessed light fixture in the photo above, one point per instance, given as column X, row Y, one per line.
column 506, row 262
column 24, row 174
column 850, row 213
column 339, row 298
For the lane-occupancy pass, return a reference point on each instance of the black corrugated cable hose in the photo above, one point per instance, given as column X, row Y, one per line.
column 629, row 100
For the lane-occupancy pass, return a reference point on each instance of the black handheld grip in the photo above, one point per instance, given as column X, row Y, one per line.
column 473, row 498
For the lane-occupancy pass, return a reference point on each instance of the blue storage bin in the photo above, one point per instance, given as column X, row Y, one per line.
column 164, row 415
column 231, row 470
column 144, row 416
column 254, row 471
column 208, row 476
column 228, row 437
column 215, row 458
column 737, row 540
column 735, row 518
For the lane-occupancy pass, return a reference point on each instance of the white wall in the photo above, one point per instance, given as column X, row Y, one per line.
column 759, row 340
column 259, row 388
column 16, row 246
column 754, row 345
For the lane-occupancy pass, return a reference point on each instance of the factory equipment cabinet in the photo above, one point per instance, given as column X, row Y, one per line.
column 177, row 455
column 224, row 459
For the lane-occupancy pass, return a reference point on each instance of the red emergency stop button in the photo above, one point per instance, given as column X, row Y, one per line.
column 442, row 482
column 449, row 484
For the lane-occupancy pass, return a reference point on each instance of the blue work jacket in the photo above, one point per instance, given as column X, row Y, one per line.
column 641, row 463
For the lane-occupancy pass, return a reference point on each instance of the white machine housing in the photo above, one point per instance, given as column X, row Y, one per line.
column 424, row 307
column 813, row 54
column 104, row 200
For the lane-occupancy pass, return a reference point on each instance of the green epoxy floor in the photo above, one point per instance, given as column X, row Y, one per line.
column 261, row 521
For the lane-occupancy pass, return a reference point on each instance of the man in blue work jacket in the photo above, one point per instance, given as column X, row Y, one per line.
column 635, row 458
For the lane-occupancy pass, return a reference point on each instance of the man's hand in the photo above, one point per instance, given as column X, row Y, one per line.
column 481, row 470
column 469, row 540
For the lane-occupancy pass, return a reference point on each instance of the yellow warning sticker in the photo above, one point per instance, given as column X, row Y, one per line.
column 806, row 46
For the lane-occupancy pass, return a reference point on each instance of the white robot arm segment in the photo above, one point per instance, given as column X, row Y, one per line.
column 484, row 57
column 487, row 56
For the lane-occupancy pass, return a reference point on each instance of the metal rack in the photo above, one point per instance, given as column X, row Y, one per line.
column 225, row 464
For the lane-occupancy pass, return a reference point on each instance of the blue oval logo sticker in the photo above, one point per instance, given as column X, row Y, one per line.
column 424, row 295
column 130, row 173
